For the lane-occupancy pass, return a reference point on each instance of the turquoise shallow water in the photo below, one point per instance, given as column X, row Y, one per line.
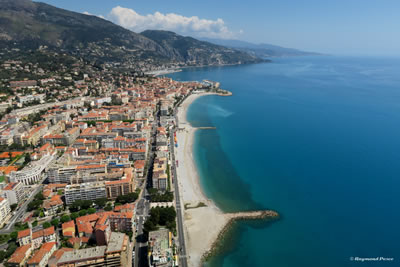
column 318, row 140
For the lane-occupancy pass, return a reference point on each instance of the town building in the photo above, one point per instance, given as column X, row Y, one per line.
column 61, row 175
column 119, row 188
column 20, row 256
column 31, row 174
column 36, row 237
column 68, row 229
column 5, row 211
column 41, row 257
column 114, row 254
column 14, row 192
column 84, row 191
column 51, row 206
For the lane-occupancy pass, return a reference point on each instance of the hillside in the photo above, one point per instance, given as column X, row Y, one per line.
column 28, row 25
column 188, row 49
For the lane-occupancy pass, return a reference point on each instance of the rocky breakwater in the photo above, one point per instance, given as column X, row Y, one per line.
column 269, row 215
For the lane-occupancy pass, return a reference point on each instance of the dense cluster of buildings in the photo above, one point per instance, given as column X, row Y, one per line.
column 87, row 149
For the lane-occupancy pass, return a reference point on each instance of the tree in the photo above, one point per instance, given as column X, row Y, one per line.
column 35, row 223
column 101, row 202
column 74, row 215
column 163, row 216
column 91, row 210
column 13, row 206
column 39, row 196
column 11, row 248
column 82, row 213
column 65, row 218
column 3, row 255
column 86, row 204
column 75, row 206
column 108, row 208
column 128, row 198
column 157, row 196
column 14, row 235
column 27, row 158
column 34, row 204
column 46, row 225
column 149, row 226
column 55, row 222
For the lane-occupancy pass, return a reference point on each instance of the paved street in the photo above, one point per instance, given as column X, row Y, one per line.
column 143, row 208
column 20, row 212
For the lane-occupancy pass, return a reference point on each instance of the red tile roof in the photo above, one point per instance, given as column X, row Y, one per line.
column 38, row 256
column 24, row 233
column 10, row 186
column 19, row 254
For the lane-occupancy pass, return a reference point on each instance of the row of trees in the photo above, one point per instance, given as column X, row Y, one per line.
column 157, row 196
column 37, row 202
column 80, row 205
column 128, row 198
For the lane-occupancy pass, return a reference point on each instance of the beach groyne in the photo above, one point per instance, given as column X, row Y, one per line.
column 268, row 215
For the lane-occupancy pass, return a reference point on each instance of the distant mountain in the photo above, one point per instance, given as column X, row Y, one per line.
column 27, row 25
column 188, row 49
column 259, row 50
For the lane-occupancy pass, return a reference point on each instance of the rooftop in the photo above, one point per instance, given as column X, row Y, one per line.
column 82, row 254
column 116, row 242
column 19, row 254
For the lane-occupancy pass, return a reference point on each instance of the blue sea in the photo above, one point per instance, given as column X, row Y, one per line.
column 316, row 139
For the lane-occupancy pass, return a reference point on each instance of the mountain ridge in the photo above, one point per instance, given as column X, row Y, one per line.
column 29, row 25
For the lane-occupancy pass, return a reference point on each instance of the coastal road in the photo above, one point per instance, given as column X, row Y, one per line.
column 178, row 206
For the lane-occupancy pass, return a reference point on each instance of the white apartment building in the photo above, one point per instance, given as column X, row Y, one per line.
column 84, row 191
column 5, row 211
column 14, row 192
column 61, row 175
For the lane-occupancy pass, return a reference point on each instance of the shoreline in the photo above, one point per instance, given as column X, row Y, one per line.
column 162, row 72
column 196, row 219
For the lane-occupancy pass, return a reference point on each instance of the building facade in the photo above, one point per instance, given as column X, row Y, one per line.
column 14, row 192
column 5, row 211
column 84, row 191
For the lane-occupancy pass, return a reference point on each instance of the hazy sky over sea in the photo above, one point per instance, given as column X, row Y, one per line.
column 352, row 27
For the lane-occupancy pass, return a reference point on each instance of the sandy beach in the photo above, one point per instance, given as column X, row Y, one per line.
column 203, row 224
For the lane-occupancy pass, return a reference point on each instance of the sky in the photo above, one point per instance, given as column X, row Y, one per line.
column 342, row 27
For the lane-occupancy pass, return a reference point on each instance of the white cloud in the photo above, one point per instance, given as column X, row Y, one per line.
column 130, row 19
column 89, row 14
